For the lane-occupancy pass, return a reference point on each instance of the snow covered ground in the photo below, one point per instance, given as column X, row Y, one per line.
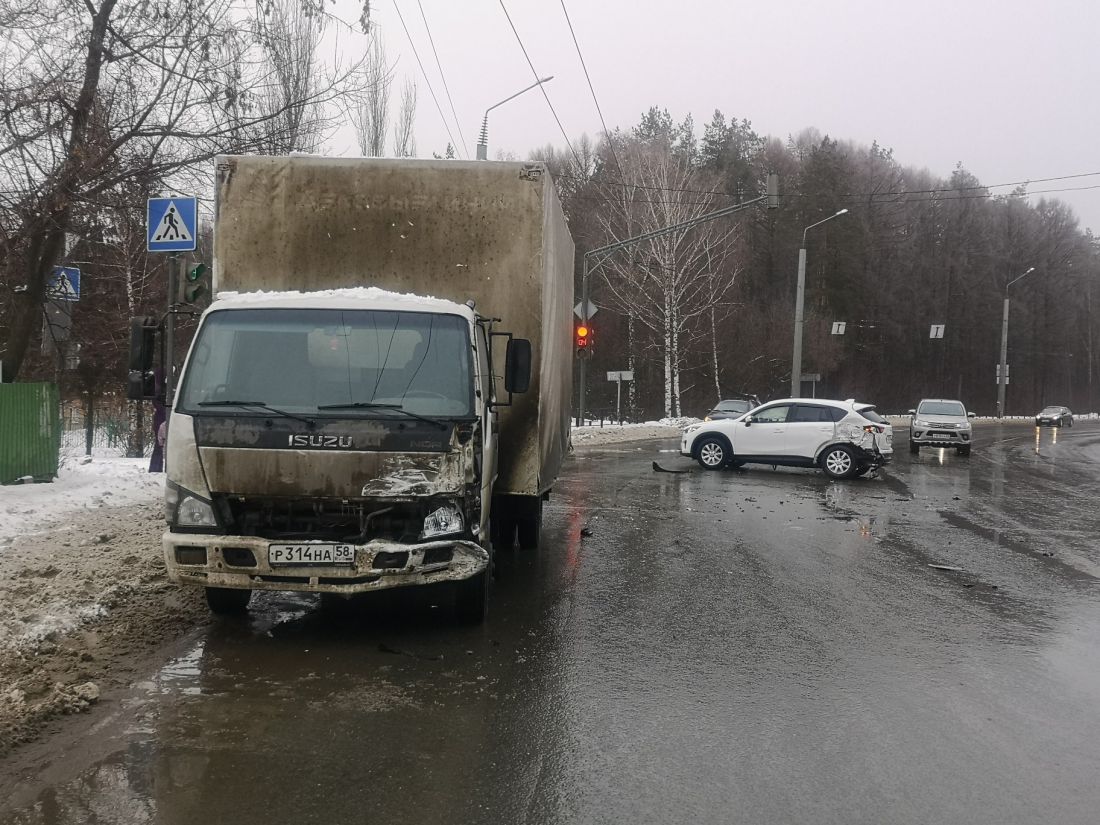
column 104, row 481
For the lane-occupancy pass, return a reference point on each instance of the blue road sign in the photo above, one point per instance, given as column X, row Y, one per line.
column 65, row 284
column 171, row 224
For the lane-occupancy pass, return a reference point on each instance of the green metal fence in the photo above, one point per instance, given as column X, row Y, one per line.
column 30, row 432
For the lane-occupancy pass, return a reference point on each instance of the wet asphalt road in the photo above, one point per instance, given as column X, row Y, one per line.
column 758, row 646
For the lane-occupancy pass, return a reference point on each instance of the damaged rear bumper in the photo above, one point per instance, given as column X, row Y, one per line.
column 242, row 562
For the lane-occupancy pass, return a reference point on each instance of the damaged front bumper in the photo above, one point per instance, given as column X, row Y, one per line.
column 243, row 562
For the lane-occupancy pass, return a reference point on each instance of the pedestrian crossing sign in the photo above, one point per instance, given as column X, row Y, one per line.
column 64, row 284
column 172, row 224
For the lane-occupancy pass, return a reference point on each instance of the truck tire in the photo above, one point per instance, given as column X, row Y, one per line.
column 472, row 599
column 530, row 527
column 227, row 601
column 914, row 447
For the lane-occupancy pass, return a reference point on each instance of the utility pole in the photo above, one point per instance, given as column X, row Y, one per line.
column 1002, row 374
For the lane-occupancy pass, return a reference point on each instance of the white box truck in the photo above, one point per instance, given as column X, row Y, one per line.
column 379, row 394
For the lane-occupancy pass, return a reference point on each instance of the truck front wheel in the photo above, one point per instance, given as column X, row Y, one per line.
column 472, row 599
column 227, row 601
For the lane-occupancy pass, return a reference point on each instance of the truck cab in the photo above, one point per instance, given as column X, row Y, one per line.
column 336, row 442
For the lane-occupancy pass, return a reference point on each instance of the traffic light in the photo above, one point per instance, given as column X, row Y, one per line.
column 194, row 284
column 583, row 339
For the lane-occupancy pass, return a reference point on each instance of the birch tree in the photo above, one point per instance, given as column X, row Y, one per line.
column 668, row 284
column 404, row 142
column 370, row 115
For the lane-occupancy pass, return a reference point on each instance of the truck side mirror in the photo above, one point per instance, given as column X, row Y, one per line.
column 517, row 365
column 912, row 412
column 971, row 415
column 141, row 382
column 748, row 420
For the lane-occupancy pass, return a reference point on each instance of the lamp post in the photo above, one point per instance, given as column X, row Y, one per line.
column 1002, row 375
column 483, row 139
column 796, row 358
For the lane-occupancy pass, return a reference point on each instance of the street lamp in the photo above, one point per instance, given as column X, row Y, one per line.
column 483, row 140
column 1002, row 376
column 796, row 359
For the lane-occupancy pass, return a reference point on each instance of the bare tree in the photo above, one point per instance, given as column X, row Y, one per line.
column 371, row 113
column 404, row 142
column 289, row 33
column 671, row 283
column 95, row 93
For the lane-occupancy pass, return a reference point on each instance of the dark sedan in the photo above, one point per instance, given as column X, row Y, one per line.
column 731, row 408
column 1054, row 417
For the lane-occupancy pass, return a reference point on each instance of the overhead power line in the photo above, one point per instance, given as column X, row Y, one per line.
column 542, row 86
column 850, row 199
column 443, row 77
column 591, row 88
column 427, row 79
column 904, row 192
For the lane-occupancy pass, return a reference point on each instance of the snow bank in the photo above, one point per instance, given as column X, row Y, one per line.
column 101, row 482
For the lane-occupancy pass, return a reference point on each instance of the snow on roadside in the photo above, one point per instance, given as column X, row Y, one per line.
column 104, row 481
column 614, row 433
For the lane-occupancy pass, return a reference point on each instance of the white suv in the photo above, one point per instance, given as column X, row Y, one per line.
column 843, row 438
column 939, row 422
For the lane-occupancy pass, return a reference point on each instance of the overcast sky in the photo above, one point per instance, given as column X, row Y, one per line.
column 1008, row 88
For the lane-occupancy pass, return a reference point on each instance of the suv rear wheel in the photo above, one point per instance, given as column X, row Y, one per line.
column 838, row 461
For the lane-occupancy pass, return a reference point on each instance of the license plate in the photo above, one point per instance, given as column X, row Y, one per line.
column 311, row 554
column 940, row 435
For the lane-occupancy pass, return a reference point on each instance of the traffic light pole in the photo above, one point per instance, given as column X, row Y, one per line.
column 771, row 196
column 175, row 266
column 584, row 358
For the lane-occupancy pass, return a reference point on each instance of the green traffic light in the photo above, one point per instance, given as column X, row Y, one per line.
column 196, row 272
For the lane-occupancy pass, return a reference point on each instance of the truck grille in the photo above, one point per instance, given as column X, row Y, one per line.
column 319, row 519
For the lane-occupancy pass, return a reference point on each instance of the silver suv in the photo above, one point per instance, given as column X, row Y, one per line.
column 939, row 422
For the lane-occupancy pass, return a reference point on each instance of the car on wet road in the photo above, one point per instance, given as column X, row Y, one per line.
column 732, row 408
column 843, row 438
column 940, row 422
column 1054, row 417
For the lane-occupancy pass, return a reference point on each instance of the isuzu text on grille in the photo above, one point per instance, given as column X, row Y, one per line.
column 320, row 440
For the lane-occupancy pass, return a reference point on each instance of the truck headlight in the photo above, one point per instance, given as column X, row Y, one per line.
column 442, row 521
column 918, row 423
column 185, row 509
column 194, row 512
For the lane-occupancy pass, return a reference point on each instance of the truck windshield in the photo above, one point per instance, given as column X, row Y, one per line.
column 355, row 362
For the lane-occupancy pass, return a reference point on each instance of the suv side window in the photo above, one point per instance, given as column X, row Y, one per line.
column 772, row 415
column 809, row 413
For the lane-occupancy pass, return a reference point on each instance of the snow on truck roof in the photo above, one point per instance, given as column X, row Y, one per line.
column 349, row 298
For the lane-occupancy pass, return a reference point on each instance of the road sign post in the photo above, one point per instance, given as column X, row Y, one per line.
column 618, row 377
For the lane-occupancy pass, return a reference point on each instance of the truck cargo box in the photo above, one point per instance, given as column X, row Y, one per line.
column 489, row 232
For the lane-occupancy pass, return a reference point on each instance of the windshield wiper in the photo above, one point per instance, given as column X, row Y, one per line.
column 261, row 404
column 374, row 405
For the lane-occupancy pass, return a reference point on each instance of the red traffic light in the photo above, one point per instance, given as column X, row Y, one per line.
column 584, row 336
